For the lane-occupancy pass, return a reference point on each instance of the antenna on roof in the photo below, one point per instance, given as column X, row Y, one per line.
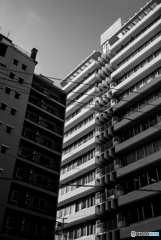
column 8, row 34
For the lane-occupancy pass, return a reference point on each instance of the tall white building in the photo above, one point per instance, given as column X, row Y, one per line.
column 111, row 169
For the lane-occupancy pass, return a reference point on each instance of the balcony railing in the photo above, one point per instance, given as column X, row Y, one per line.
column 41, row 103
column 119, row 222
column 103, row 148
column 85, row 78
column 138, row 67
column 34, row 156
column 36, row 137
column 109, row 195
column 88, row 105
column 48, row 93
column 28, row 203
column 43, row 122
column 139, row 34
column 104, row 108
column 41, row 182
column 103, row 127
column 80, row 95
column 21, row 228
column 109, row 168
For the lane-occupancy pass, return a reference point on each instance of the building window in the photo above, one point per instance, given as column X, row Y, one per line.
column 7, row 90
column 3, row 49
column 3, row 65
column 12, row 75
column 24, row 67
column 1, row 124
column 15, row 62
column 3, row 106
column 8, row 129
column 4, row 149
column 17, row 95
column 19, row 173
column 10, row 223
column 13, row 111
column 20, row 80
column 15, row 196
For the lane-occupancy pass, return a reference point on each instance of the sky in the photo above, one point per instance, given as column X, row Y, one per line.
column 65, row 32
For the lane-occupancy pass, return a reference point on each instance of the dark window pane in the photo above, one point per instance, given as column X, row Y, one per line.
column 156, row 208
column 140, row 153
column 3, row 49
column 147, row 210
column 140, row 212
column 148, row 149
column 130, row 184
column 152, row 176
column 157, row 145
column 143, row 179
column 136, row 182
column 133, row 214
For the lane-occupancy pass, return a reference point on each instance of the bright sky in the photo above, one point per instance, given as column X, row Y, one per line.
column 65, row 32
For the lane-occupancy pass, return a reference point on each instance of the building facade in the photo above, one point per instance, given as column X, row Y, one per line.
column 32, row 112
column 111, row 170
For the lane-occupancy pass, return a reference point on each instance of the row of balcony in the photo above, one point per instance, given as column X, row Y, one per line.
column 19, row 226
column 48, row 93
column 42, row 140
column 141, row 23
column 38, row 158
column 43, row 105
column 37, row 180
column 29, row 204
column 43, row 122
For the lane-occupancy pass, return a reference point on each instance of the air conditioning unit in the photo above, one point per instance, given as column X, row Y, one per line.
column 10, row 223
column 120, row 220
column 115, row 119
column 113, row 85
column 97, row 173
column 34, row 152
column 119, row 190
column 23, row 221
column 114, row 101
column 27, row 194
column 98, row 227
column 97, row 198
column 115, row 140
column 29, row 170
column 117, row 164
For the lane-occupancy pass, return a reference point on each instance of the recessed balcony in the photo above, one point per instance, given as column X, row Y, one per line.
column 138, row 58
column 135, row 115
column 81, row 169
column 136, row 43
column 81, row 101
column 136, row 28
column 84, row 112
column 148, row 86
column 152, row 224
column 79, row 133
column 139, row 195
column 138, row 165
column 138, row 139
column 34, row 136
column 86, row 146
column 87, row 66
column 78, row 192
column 137, row 76
column 84, row 84
column 83, row 215
column 50, row 95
